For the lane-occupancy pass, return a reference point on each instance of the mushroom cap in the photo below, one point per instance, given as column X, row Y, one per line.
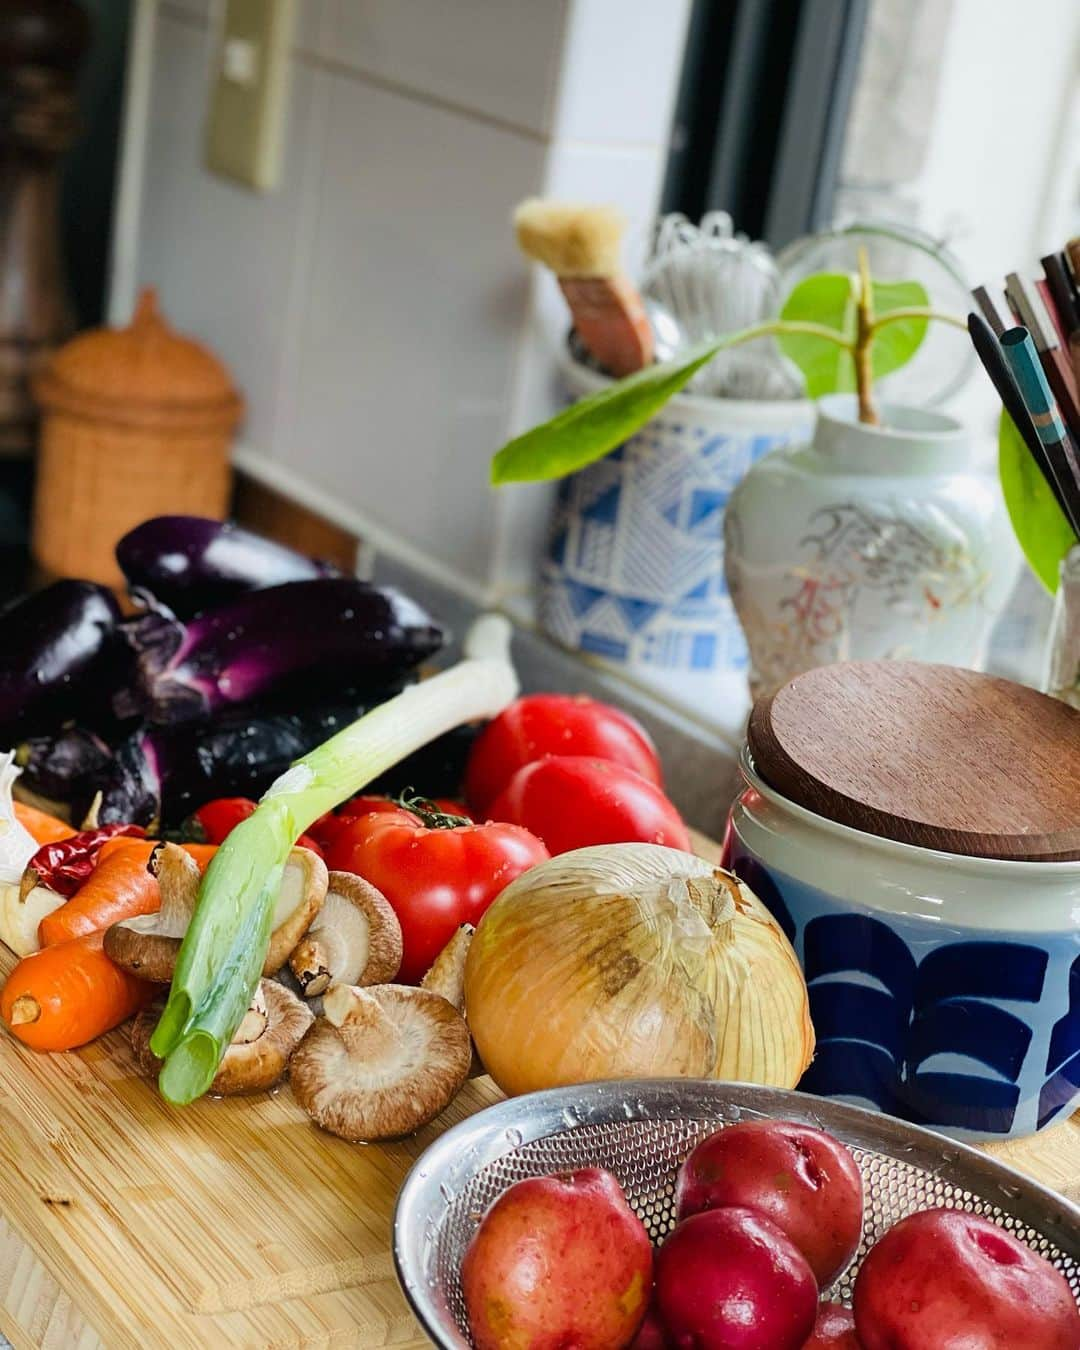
column 447, row 973
column 355, row 938
column 250, row 1065
column 396, row 1059
column 148, row 945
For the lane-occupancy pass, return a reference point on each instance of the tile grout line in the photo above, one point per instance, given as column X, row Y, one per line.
column 415, row 94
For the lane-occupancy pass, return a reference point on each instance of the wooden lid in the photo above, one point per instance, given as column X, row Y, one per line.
column 929, row 755
column 145, row 374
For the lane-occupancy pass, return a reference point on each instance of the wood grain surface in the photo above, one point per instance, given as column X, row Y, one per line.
column 128, row 1223
column 929, row 755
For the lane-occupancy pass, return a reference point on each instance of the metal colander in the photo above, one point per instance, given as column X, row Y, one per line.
column 642, row 1130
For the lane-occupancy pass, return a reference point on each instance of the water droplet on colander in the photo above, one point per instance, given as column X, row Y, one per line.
column 628, row 1110
column 445, row 1191
column 514, row 1137
column 570, row 1116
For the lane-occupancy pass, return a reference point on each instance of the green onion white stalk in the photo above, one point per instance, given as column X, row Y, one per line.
column 222, row 955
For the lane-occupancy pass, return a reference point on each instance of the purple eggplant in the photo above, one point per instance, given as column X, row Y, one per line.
column 191, row 564
column 60, row 655
column 325, row 634
column 159, row 775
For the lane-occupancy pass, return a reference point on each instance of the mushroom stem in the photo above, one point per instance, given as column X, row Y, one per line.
column 361, row 1020
column 178, row 881
column 314, row 960
column 254, row 1020
column 25, row 1009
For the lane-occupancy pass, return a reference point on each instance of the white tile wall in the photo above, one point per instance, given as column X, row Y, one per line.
column 220, row 255
column 496, row 57
column 414, row 302
column 615, row 84
column 385, row 331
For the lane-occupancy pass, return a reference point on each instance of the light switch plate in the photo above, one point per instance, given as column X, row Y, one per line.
column 246, row 126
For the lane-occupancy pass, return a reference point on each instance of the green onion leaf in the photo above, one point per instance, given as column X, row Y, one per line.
column 222, row 954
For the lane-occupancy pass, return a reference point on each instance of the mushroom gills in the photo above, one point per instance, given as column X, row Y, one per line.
column 149, row 944
column 259, row 1052
column 355, row 939
column 382, row 1062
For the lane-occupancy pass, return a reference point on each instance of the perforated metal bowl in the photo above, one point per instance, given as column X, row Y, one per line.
column 641, row 1132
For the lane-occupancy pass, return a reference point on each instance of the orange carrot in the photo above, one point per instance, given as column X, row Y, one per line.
column 45, row 829
column 202, row 853
column 119, row 887
column 64, row 996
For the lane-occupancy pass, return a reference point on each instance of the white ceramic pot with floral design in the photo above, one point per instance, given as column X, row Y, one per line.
column 870, row 542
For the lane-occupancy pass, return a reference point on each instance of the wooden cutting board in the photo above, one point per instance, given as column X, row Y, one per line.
column 127, row 1223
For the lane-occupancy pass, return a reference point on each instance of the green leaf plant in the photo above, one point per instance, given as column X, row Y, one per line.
column 841, row 331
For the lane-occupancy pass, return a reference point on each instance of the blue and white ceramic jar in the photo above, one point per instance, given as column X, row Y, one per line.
column 634, row 571
column 944, row 989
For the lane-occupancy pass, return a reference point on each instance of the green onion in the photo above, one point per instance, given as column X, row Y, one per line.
column 221, row 958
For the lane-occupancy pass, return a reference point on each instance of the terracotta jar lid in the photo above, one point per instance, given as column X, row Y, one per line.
column 930, row 755
column 144, row 375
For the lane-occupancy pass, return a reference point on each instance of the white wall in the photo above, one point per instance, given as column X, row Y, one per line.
column 374, row 309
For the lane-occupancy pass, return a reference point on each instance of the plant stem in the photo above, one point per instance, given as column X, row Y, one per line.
column 917, row 312
column 864, row 344
column 778, row 327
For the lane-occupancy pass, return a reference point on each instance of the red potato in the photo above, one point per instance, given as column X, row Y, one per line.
column 729, row 1279
column 801, row 1178
column 834, row 1329
column 540, row 725
column 574, row 802
column 558, row 1261
column 947, row 1280
column 651, row 1334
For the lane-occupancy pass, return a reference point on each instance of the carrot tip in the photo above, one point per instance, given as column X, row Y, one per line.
column 25, row 1009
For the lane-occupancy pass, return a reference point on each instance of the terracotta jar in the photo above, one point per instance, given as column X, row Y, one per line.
column 136, row 422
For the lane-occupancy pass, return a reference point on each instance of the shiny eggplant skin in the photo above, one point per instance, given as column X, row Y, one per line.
column 158, row 776
column 191, row 563
column 325, row 634
column 60, row 655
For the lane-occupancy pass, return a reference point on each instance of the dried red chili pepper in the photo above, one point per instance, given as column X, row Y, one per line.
column 64, row 866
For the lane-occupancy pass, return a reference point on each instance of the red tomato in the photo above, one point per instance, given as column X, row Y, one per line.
column 572, row 802
column 327, row 828
column 217, row 819
column 435, row 879
column 360, row 806
column 554, row 724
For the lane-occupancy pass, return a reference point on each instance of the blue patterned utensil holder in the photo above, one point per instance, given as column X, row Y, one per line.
column 943, row 989
column 634, row 571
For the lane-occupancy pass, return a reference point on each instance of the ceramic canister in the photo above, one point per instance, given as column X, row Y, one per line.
column 944, row 988
column 634, row 570
column 868, row 542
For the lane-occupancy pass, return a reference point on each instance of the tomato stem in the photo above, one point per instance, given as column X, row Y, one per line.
column 428, row 812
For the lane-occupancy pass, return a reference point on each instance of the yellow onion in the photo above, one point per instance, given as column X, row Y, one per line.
column 634, row 961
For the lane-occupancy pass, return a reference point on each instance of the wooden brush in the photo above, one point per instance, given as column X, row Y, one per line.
column 582, row 246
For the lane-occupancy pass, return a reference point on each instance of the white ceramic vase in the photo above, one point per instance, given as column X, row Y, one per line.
column 870, row 542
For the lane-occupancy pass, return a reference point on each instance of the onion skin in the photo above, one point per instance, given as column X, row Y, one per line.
column 634, row 961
